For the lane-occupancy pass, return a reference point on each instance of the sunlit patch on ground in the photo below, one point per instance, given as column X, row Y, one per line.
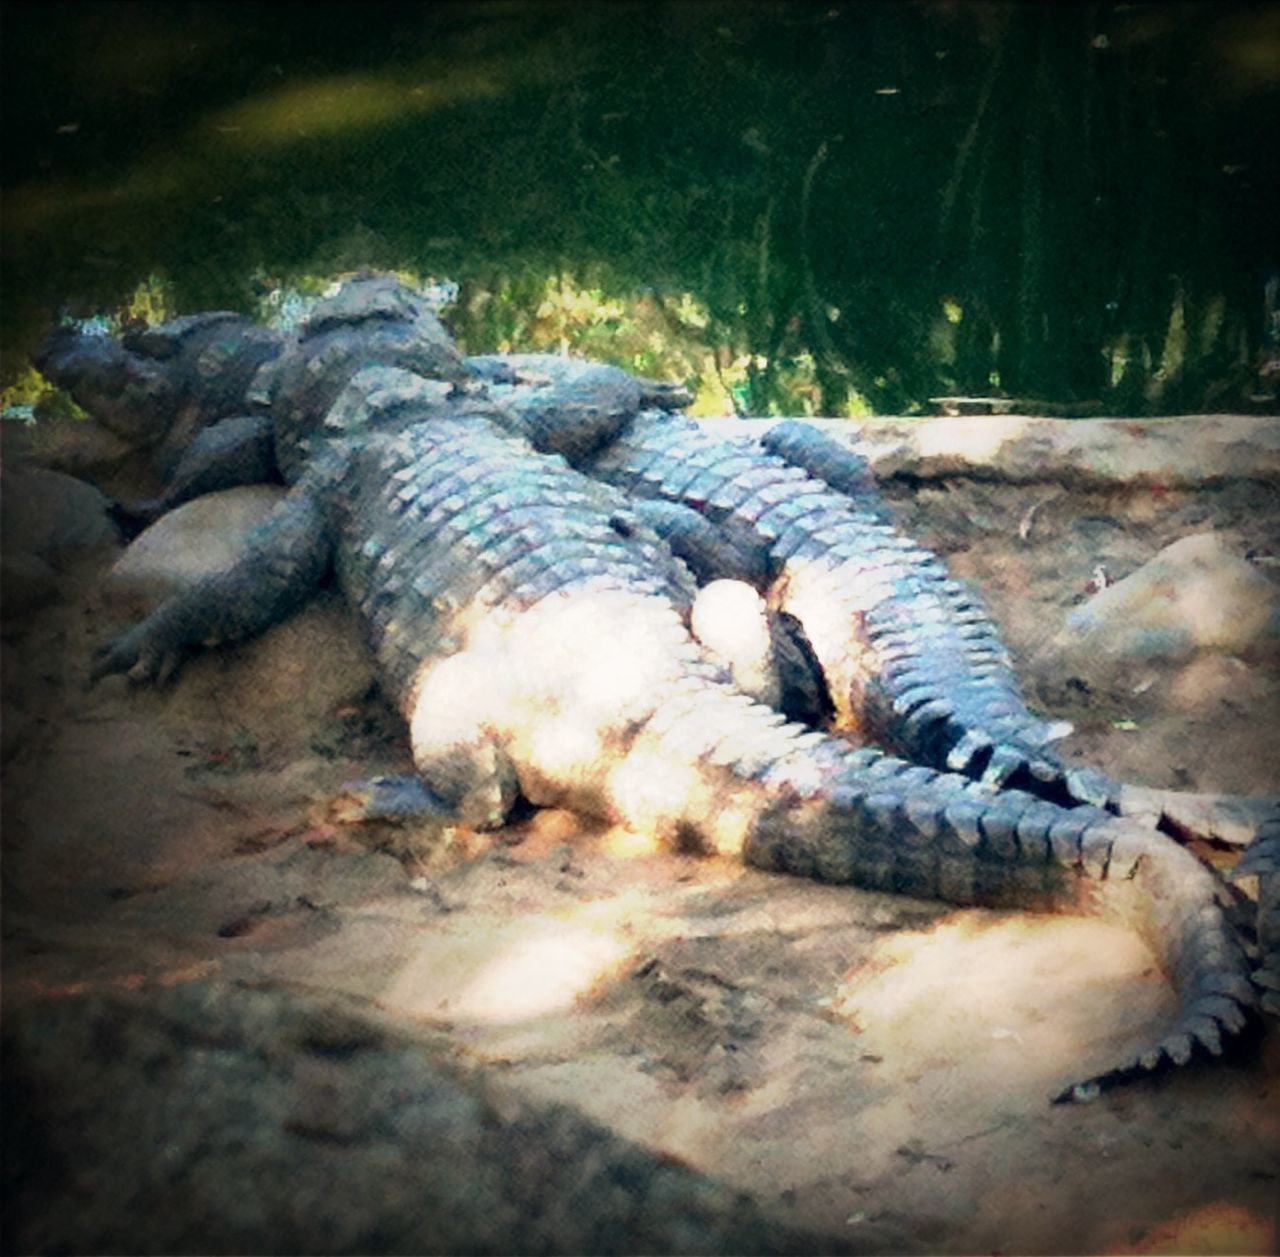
column 1219, row 1227
column 534, row 967
column 629, row 844
column 1000, row 1003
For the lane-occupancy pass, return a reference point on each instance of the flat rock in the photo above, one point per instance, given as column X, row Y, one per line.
column 48, row 520
column 79, row 447
column 52, row 515
column 1184, row 452
column 284, row 686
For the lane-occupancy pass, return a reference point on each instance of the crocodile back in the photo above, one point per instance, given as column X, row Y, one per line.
column 450, row 523
column 893, row 632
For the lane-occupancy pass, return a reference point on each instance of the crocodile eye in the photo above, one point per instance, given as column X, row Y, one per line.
column 623, row 526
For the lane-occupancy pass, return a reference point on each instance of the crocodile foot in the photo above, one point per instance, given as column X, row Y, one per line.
column 148, row 654
column 397, row 800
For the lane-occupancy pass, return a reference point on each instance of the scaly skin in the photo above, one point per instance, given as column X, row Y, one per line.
column 912, row 659
column 159, row 387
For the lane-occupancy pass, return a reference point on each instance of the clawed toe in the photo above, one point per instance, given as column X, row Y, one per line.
column 398, row 800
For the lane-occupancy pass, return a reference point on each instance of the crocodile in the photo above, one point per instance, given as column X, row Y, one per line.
column 868, row 626
column 911, row 656
column 533, row 632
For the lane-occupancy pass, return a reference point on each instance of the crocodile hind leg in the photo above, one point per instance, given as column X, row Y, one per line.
column 462, row 775
column 711, row 552
column 804, row 446
column 458, row 760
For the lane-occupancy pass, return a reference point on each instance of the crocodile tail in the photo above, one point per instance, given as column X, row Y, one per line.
column 925, row 706
column 944, row 690
column 814, row 808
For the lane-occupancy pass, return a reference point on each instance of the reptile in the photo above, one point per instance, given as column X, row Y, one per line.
column 906, row 656
column 912, row 659
column 533, row 632
column 903, row 654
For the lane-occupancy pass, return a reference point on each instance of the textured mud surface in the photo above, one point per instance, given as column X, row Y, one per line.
column 236, row 1025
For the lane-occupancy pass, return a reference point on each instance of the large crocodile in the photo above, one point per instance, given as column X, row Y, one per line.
column 533, row 631
column 909, row 657
column 912, row 659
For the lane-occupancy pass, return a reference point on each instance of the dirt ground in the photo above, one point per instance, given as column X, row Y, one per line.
column 874, row 1072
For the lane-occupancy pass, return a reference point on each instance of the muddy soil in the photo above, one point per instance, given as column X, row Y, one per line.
column 874, row 1073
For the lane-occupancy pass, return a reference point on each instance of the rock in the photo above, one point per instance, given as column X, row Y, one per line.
column 48, row 520
column 284, row 686
column 52, row 515
column 1211, row 680
column 1196, row 594
column 28, row 583
column 1080, row 453
column 182, row 547
column 79, row 447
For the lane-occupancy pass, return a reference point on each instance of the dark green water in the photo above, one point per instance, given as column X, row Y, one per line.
column 810, row 206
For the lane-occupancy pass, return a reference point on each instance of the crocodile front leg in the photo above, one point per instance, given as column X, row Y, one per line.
column 286, row 559
column 238, row 450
